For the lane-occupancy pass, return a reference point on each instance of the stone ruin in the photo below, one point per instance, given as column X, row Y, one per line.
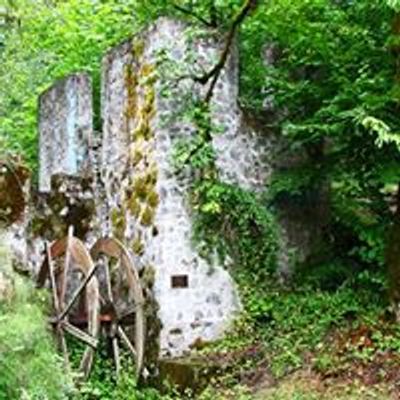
column 121, row 182
column 14, row 189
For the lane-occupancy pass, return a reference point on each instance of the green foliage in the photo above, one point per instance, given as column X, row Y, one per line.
column 307, row 387
column 29, row 365
column 291, row 182
column 196, row 152
column 299, row 321
column 234, row 223
column 214, row 392
column 332, row 86
column 382, row 131
column 331, row 83
column 294, row 324
column 395, row 4
column 103, row 384
column 51, row 41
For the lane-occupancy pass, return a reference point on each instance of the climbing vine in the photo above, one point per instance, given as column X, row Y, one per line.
column 236, row 225
column 230, row 222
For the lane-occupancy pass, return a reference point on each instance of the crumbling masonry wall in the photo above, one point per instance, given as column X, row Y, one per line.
column 147, row 200
column 65, row 126
column 122, row 183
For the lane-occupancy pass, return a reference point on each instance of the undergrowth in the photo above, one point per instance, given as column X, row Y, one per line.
column 333, row 331
column 30, row 368
column 103, row 383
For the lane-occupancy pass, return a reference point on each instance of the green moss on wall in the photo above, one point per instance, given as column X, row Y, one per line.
column 140, row 188
column 137, row 48
column 147, row 217
column 118, row 222
column 58, row 210
column 148, row 276
column 152, row 176
column 138, row 246
column 153, row 199
column 136, row 157
column 131, row 87
column 142, row 131
column 148, row 75
column 141, row 197
column 134, row 206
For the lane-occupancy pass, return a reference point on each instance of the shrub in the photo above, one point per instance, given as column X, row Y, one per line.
column 29, row 365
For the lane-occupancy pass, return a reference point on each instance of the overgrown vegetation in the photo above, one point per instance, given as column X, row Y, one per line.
column 321, row 75
column 232, row 222
column 103, row 383
column 334, row 74
column 29, row 364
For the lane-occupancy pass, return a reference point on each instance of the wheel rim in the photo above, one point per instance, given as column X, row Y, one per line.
column 112, row 248
column 73, row 251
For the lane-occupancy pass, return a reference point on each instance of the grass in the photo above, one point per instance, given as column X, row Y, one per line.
column 29, row 365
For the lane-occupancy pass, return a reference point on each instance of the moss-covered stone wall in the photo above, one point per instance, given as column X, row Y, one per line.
column 128, row 188
column 147, row 201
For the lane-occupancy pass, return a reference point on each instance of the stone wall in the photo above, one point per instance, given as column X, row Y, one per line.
column 147, row 200
column 6, row 281
column 65, row 126
column 126, row 187
column 122, row 183
column 65, row 191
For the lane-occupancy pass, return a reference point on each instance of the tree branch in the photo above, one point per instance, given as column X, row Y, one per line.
column 215, row 72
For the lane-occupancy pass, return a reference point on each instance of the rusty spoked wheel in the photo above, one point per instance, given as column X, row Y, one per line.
column 122, row 300
column 76, row 297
